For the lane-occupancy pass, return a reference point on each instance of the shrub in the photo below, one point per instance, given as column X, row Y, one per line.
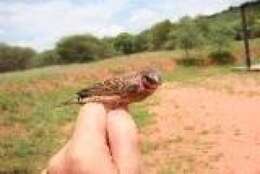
column 108, row 47
column 15, row 58
column 159, row 34
column 220, row 37
column 50, row 57
column 142, row 41
column 124, row 43
column 188, row 36
column 222, row 58
column 191, row 61
column 169, row 45
column 80, row 48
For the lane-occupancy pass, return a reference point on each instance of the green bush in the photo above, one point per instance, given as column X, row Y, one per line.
column 142, row 41
column 221, row 57
column 80, row 48
column 108, row 47
column 15, row 58
column 191, row 61
column 220, row 38
column 159, row 34
column 124, row 43
column 188, row 36
column 50, row 57
column 6, row 103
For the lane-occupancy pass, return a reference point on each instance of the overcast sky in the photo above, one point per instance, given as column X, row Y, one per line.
column 40, row 23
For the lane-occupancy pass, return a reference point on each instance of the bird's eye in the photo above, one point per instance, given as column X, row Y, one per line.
column 149, row 79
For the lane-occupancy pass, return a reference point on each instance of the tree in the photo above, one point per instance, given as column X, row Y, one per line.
column 256, row 29
column 49, row 57
column 203, row 25
column 220, row 36
column 170, row 43
column 108, row 47
column 15, row 58
column 80, row 48
column 124, row 43
column 159, row 34
column 188, row 36
column 142, row 41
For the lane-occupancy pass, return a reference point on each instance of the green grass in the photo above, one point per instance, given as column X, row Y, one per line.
column 167, row 170
column 40, row 120
column 33, row 125
column 195, row 73
column 148, row 147
column 141, row 114
column 34, row 110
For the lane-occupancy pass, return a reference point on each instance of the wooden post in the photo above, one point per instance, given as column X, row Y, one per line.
column 245, row 36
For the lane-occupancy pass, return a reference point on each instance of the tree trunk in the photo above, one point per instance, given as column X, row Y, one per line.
column 187, row 53
column 246, row 36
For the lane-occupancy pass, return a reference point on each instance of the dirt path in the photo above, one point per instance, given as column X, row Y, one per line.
column 204, row 130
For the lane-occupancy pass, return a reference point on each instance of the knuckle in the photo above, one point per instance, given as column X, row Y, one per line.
column 77, row 162
column 74, row 156
column 118, row 112
column 90, row 107
column 53, row 166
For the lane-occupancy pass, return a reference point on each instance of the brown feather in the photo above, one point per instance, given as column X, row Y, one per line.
column 121, row 90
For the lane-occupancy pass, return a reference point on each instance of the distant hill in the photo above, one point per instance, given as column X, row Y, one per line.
column 253, row 8
column 215, row 31
column 232, row 18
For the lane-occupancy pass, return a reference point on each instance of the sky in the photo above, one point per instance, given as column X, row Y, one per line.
column 41, row 23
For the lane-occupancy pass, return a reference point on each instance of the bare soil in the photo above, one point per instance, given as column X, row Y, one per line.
column 208, row 128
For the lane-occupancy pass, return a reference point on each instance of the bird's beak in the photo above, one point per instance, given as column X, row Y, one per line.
column 158, row 80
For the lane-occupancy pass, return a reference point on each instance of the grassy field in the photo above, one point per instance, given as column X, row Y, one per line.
column 32, row 128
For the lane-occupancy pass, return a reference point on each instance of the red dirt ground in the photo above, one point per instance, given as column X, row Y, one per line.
column 211, row 128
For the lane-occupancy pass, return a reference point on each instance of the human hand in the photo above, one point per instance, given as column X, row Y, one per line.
column 102, row 143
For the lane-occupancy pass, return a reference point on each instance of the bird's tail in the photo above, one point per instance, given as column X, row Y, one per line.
column 71, row 101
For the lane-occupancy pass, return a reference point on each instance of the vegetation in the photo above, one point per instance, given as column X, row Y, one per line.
column 216, row 31
column 141, row 115
column 49, row 57
column 15, row 58
column 159, row 34
column 124, row 43
column 220, row 37
column 80, row 48
column 32, row 129
column 222, row 57
column 188, row 36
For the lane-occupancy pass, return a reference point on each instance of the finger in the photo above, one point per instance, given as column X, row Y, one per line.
column 88, row 151
column 123, row 140
column 57, row 162
column 91, row 121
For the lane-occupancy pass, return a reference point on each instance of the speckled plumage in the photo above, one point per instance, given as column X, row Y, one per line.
column 122, row 90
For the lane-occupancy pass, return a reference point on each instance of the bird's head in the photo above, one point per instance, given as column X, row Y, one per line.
column 151, row 79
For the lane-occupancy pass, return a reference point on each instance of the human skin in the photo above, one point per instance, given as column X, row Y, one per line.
column 102, row 143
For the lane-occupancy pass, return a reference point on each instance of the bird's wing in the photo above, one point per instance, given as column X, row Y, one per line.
column 115, row 86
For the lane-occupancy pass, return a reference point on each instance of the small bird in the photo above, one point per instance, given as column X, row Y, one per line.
column 120, row 91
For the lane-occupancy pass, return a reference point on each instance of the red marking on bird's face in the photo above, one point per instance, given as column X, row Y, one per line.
column 151, row 80
column 148, row 86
